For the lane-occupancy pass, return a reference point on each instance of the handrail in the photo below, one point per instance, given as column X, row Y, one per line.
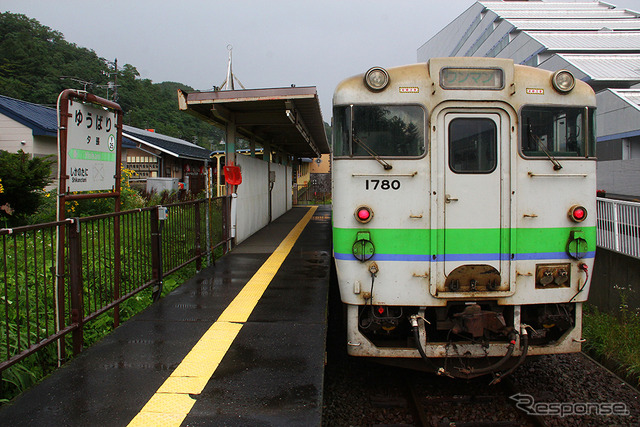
column 618, row 226
column 28, row 280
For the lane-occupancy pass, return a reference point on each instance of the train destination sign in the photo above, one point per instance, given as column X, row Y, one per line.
column 91, row 147
column 471, row 78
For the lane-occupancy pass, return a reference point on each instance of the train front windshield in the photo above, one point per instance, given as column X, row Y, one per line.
column 386, row 130
column 559, row 131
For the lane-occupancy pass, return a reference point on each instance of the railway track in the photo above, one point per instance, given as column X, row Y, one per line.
column 444, row 402
column 362, row 393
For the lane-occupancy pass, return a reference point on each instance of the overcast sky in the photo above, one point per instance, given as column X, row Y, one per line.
column 276, row 43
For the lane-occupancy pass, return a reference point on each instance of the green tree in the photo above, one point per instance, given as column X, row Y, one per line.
column 34, row 60
column 328, row 131
column 23, row 181
column 37, row 63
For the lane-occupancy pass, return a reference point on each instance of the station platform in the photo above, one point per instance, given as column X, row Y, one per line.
column 241, row 343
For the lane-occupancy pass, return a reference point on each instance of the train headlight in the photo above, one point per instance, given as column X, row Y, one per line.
column 563, row 81
column 577, row 213
column 376, row 79
column 363, row 214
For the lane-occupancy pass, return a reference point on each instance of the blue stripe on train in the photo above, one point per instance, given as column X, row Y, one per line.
column 465, row 257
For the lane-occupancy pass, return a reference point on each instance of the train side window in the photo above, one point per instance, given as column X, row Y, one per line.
column 557, row 131
column 341, row 131
column 473, row 145
column 385, row 130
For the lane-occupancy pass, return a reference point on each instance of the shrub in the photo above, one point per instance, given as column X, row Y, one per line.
column 23, row 180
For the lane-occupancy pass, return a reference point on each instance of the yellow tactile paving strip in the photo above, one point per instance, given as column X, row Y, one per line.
column 172, row 402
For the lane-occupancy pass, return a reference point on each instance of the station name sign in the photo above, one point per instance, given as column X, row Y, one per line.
column 91, row 147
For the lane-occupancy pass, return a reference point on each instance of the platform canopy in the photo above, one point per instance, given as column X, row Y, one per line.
column 288, row 119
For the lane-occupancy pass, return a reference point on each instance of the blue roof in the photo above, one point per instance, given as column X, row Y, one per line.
column 128, row 143
column 42, row 120
column 173, row 146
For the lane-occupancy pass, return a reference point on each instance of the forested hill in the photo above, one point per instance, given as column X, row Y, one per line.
column 37, row 63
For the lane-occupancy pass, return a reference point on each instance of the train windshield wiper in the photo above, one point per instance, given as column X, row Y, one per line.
column 372, row 153
column 556, row 164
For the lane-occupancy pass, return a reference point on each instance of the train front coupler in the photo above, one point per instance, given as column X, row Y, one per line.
column 477, row 323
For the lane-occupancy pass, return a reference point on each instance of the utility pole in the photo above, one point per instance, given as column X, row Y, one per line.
column 115, row 81
column 113, row 84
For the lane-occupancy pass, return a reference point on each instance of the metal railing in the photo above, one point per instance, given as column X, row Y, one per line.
column 619, row 226
column 309, row 193
column 108, row 259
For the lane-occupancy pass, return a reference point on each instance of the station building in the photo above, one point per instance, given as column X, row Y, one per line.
column 597, row 41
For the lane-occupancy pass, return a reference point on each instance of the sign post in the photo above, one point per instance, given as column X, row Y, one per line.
column 89, row 153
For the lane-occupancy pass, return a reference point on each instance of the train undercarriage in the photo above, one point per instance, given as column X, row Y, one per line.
column 463, row 339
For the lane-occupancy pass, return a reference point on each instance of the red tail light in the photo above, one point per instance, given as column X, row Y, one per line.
column 364, row 214
column 577, row 213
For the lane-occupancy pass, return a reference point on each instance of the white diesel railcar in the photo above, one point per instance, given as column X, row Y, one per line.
column 463, row 212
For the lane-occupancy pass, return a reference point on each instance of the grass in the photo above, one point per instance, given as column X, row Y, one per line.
column 614, row 338
column 34, row 368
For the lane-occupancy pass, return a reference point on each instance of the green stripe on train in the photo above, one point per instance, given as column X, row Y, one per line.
column 464, row 241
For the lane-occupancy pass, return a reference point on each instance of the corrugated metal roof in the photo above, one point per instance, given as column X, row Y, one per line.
column 42, row 120
column 540, row 5
column 564, row 14
column 632, row 96
column 577, row 33
column 174, row 146
column 575, row 24
column 607, row 67
column 588, row 41
column 555, row 10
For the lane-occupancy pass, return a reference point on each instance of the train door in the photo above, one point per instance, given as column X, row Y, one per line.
column 472, row 208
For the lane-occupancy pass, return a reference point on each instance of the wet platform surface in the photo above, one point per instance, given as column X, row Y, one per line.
column 272, row 374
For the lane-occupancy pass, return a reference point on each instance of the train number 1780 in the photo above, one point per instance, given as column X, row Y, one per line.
column 381, row 184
